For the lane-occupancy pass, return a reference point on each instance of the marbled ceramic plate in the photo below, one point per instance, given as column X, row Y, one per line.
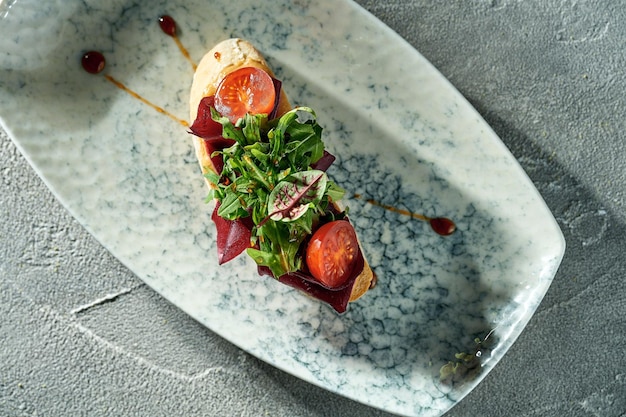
column 446, row 308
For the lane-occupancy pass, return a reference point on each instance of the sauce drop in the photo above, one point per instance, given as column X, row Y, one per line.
column 93, row 62
column 168, row 25
column 442, row 226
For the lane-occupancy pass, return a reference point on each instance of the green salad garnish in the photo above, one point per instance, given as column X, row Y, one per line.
column 269, row 174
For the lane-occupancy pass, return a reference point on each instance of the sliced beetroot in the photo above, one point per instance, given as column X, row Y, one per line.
column 217, row 144
column 277, row 87
column 204, row 126
column 324, row 162
column 233, row 236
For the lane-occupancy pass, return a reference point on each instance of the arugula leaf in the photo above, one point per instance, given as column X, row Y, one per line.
column 229, row 131
column 268, row 259
column 212, row 177
column 305, row 144
column 334, row 192
column 232, row 207
column 251, row 128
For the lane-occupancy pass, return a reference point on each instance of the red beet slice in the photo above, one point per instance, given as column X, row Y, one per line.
column 233, row 236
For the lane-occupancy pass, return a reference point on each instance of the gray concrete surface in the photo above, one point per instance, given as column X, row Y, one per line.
column 81, row 335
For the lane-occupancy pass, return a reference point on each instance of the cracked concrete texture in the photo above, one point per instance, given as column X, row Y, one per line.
column 80, row 335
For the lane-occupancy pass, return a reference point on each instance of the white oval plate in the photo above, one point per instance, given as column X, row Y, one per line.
column 403, row 136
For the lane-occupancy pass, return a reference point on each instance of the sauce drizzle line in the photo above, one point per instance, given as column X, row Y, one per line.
column 161, row 110
column 440, row 225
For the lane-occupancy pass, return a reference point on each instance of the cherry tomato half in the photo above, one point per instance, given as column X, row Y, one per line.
column 246, row 90
column 332, row 252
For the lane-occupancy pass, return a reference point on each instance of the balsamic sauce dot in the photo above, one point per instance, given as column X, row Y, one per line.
column 168, row 25
column 442, row 226
column 93, row 62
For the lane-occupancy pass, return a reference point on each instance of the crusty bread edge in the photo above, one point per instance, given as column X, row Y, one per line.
column 224, row 58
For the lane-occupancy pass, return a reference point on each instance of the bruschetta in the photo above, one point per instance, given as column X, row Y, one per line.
column 265, row 165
